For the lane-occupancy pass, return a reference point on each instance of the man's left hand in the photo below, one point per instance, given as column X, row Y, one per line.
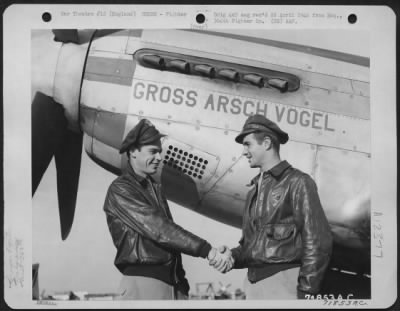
column 223, row 261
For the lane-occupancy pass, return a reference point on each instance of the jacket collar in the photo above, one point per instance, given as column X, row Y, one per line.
column 140, row 179
column 276, row 171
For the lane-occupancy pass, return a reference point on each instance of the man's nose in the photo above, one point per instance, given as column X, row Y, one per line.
column 245, row 151
column 158, row 156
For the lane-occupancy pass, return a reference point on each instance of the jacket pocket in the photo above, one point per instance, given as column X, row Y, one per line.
column 133, row 249
column 280, row 232
column 279, row 243
column 150, row 253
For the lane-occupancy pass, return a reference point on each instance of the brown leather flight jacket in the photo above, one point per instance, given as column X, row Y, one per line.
column 285, row 227
column 148, row 241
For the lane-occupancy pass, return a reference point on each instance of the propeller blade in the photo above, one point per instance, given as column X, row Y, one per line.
column 66, row 35
column 48, row 127
column 35, row 281
column 68, row 164
column 51, row 137
column 82, row 36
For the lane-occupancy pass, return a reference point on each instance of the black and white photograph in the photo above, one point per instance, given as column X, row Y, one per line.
column 202, row 166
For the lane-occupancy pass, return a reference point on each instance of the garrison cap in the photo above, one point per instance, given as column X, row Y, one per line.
column 144, row 133
column 259, row 123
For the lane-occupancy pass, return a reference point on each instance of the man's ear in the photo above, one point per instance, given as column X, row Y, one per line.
column 267, row 143
column 132, row 153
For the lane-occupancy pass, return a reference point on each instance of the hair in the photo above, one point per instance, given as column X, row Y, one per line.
column 261, row 135
column 133, row 148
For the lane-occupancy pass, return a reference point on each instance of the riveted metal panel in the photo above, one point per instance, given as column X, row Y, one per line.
column 110, row 70
column 222, row 207
column 134, row 44
column 233, row 181
column 114, row 42
column 112, row 56
column 220, row 106
column 308, row 75
column 88, row 143
column 326, row 98
column 238, row 176
column 343, row 179
column 105, row 126
column 220, row 70
column 106, row 96
column 239, row 49
column 183, row 158
column 106, row 154
column 259, row 38
column 331, row 101
column 361, row 88
column 299, row 155
column 325, row 82
column 107, row 66
column 225, row 197
column 87, row 117
column 192, row 162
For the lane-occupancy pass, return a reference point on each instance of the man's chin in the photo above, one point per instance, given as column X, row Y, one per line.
column 153, row 170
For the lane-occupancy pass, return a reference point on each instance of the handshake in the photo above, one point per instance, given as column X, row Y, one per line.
column 221, row 259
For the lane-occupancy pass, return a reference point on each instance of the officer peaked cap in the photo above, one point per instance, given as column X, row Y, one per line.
column 259, row 123
column 144, row 133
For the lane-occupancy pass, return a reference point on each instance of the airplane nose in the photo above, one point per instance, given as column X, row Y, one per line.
column 57, row 72
column 67, row 81
column 44, row 53
column 56, row 77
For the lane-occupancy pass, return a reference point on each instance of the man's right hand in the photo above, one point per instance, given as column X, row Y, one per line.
column 221, row 259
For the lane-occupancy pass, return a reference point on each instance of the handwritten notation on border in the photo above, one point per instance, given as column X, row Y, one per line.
column 377, row 234
column 14, row 261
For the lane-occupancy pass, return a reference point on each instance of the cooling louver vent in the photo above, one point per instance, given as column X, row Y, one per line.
column 186, row 162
